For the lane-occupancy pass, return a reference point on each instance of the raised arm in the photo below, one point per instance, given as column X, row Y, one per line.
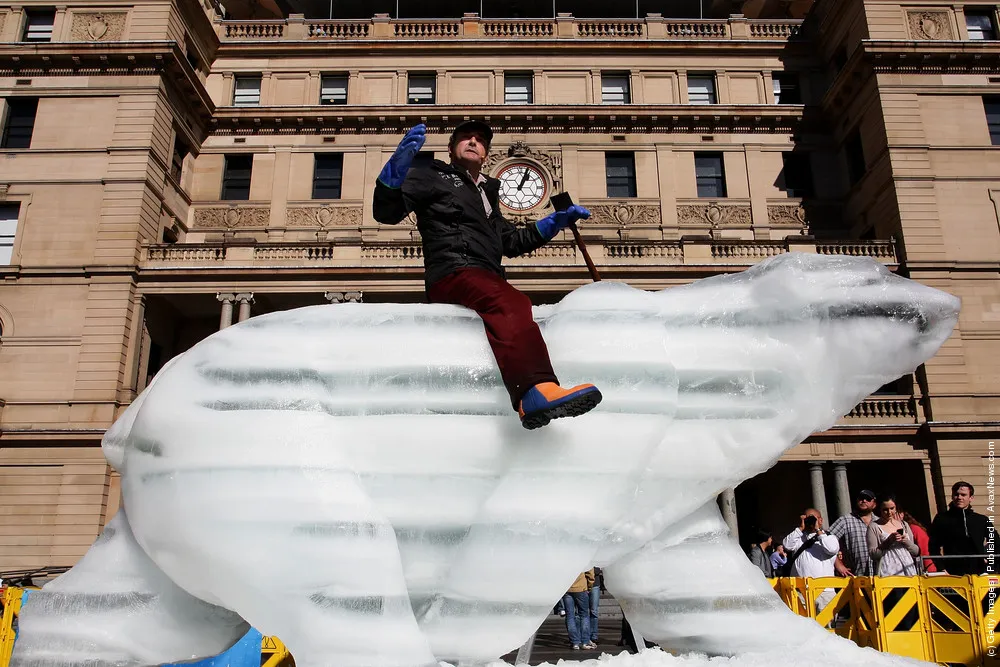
column 389, row 205
column 522, row 240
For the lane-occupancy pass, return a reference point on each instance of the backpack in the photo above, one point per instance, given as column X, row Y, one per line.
column 786, row 569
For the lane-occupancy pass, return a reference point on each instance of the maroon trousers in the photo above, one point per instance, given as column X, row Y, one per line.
column 516, row 341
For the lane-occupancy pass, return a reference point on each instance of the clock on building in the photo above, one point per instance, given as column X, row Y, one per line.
column 522, row 186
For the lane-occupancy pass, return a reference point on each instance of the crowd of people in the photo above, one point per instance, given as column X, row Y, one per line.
column 878, row 538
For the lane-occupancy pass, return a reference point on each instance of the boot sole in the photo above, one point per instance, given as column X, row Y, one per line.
column 572, row 408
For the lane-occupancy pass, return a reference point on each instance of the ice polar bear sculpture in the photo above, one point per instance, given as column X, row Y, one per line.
column 351, row 478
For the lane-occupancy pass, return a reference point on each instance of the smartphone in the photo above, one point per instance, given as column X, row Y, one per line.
column 561, row 201
column 899, row 532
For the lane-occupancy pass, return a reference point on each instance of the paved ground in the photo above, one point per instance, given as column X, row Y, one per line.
column 552, row 642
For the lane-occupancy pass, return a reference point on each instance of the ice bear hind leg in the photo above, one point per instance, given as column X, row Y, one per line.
column 116, row 607
column 693, row 589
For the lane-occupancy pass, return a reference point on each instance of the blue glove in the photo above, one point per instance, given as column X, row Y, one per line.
column 551, row 225
column 394, row 172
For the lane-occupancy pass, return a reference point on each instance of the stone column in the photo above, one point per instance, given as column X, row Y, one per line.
column 843, row 490
column 727, row 503
column 227, row 299
column 818, row 490
column 334, row 297
column 344, row 297
column 246, row 300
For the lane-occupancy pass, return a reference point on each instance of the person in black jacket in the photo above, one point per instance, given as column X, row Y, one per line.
column 960, row 531
column 464, row 238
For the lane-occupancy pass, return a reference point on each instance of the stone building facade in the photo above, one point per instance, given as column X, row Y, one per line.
column 166, row 171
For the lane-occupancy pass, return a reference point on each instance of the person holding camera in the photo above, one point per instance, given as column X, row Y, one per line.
column 891, row 543
column 812, row 552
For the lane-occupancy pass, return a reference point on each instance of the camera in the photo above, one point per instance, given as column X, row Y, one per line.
column 810, row 523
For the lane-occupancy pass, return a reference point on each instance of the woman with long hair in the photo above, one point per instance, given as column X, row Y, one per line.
column 890, row 541
column 921, row 537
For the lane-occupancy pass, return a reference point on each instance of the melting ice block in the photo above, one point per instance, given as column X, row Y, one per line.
column 351, row 477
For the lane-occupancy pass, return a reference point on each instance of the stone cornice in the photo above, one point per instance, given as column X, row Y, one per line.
column 396, row 119
column 950, row 56
column 133, row 58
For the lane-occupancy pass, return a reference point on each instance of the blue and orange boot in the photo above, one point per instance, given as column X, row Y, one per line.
column 547, row 401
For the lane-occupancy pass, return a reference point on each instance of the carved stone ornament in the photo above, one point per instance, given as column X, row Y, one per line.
column 324, row 216
column 4, row 187
column 714, row 215
column 625, row 214
column 520, row 149
column 98, row 26
column 786, row 215
column 231, row 217
column 930, row 25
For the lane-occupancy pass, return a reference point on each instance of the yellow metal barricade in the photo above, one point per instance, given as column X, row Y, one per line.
column 11, row 609
column 830, row 601
column 952, row 632
column 274, row 654
column 866, row 622
column 987, row 615
column 902, row 616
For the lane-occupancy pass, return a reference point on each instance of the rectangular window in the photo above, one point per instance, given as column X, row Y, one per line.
column 854, row 152
column 333, row 89
column 8, row 228
column 992, row 105
column 421, row 89
column 38, row 25
column 979, row 24
column 236, row 177
column 328, row 173
column 701, row 89
column 517, row 88
column 619, row 169
column 786, row 88
column 710, row 174
column 797, row 170
column 180, row 152
column 615, row 88
column 247, row 91
column 20, row 123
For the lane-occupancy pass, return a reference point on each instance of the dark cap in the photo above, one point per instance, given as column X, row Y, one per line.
column 472, row 126
column 866, row 494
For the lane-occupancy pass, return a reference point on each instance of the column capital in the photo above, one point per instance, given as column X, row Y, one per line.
column 244, row 297
column 353, row 297
column 225, row 297
column 334, row 297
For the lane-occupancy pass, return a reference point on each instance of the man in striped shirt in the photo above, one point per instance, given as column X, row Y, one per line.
column 852, row 530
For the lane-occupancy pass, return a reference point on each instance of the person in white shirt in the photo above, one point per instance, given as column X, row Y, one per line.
column 812, row 551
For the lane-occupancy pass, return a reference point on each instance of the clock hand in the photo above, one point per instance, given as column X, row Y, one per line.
column 523, row 180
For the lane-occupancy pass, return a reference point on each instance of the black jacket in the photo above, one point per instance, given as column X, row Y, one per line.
column 452, row 220
column 960, row 533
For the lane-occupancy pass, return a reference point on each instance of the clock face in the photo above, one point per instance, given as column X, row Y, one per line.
column 522, row 186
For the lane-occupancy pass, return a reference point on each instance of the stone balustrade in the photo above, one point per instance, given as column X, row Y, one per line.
column 471, row 26
column 559, row 253
column 884, row 409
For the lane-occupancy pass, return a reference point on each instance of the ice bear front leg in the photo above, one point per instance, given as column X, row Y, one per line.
column 693, row 589
column 116, row 607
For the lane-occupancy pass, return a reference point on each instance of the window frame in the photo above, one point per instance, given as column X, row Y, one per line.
column 854, row 154
column 31, row 16
column 987, row 12
column 628, row 181
column 794, row 86
column 992, row 124
column 227, row 178
column 713, row 92
column 10, row 117
column 528, row 77
column 800, row 165
column 626, row 87
column 5, row 247
column 317, row 179
column 718, row 181
column 346, row 78
column 412, row 78
column 236, row 89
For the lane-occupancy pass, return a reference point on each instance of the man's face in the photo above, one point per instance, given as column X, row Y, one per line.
column 469, row 149
column 961, row 498
column 819, row 518
column 865, row 505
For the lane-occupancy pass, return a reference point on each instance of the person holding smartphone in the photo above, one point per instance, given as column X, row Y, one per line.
column 891, row 543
